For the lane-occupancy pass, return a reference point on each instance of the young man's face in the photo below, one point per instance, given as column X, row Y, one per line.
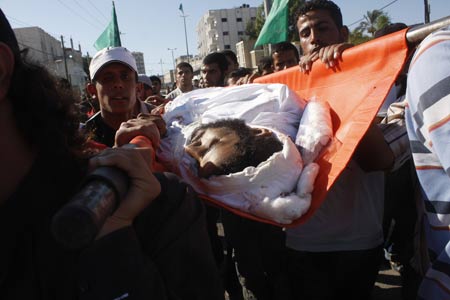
column 212, row 75
column 317, row 29
column 212, row 147
column 115, row 86
column 283, row 60
column 156, row 86
column 184, row 77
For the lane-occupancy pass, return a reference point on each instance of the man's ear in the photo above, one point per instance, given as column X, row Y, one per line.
column 6, row 68
column 345, row 33
column 92, row 90
column 261, row 132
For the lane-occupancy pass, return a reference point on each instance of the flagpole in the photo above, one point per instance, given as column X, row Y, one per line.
column 267, row 7
column 185, row 31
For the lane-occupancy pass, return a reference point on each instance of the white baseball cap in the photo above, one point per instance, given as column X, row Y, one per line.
column 109, row 55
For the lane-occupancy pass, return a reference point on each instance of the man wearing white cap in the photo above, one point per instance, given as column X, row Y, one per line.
column 114, row 79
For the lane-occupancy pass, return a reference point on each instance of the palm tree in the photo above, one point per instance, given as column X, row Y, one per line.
column 374, row 20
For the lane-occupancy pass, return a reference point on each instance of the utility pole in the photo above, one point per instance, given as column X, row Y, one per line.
column 162, row 72
column 173, row 75
column 64, row 57
column 427, row 11
column 185, row 35
column 173, row 59
column 267, row 7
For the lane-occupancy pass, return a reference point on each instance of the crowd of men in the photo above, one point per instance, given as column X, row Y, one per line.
column 162, row 242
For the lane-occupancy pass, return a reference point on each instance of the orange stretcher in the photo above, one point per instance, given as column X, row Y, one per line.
column 355, row 90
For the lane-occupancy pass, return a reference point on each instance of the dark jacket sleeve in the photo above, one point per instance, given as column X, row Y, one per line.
column 114, row 267
column 173, row 234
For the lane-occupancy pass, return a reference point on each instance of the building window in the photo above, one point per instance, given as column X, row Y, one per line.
column 240, row 33
column 224, row 20
column 253, row 18
column 238, row 19
column 225, row 33
column 227, row 47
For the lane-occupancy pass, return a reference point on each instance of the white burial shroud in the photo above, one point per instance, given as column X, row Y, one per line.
column 276, row 189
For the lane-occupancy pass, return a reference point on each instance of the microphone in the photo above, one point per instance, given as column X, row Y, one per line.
column 78, row 222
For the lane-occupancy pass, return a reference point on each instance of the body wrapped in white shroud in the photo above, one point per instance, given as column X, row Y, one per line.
column 273, row 190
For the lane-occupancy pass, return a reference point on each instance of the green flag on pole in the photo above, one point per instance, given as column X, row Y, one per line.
column 275, row 29
column 181, row 8
column 111, row 36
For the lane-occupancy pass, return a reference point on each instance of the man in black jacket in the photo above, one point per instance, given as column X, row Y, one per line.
column 154, row 246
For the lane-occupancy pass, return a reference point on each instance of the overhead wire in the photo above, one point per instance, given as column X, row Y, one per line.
column 93, row 17
column 362, row 19
column 79, row 15
column 99, row 11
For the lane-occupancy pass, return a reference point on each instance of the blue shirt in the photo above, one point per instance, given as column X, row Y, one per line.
column 428, row 125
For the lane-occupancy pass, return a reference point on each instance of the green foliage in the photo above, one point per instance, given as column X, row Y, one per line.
column 373, row 21
column 358, row 37
column 253, row 28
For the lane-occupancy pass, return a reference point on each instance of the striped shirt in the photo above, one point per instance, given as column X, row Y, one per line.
column 428, row 125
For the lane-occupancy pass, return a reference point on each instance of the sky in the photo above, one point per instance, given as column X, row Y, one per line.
column 155, row 26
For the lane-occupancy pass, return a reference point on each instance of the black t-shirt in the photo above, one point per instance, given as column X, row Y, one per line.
column 165, row 255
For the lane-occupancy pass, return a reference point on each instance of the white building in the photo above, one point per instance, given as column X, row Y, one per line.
column 46, row 50
column 221, row 29
column 139, row 57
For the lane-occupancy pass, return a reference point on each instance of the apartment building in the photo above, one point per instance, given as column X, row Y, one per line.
column 222, row 29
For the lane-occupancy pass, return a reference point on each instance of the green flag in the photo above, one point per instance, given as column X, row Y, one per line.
column 181, row 8
column 111, row 36
column 275, row 29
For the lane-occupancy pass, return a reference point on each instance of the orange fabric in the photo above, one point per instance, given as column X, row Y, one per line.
column 355, row 91
column 144, row 142
column 139, row 141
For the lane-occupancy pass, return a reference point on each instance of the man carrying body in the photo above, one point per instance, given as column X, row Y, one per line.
column 428, row 126
column 138, row 251
column 114, row 79
column 336, row 253
column 184, row 80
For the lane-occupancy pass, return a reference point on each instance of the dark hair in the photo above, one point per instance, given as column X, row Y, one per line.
column 185, row 65
column 45, row 112
column 230, row 54
column 217, row 58
column 7, row 35
column 330, row 6
column 284, row 47
column 390, row 28
column 155, row 78
column 265, row 62
column 250, row 150
column 240, row 72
